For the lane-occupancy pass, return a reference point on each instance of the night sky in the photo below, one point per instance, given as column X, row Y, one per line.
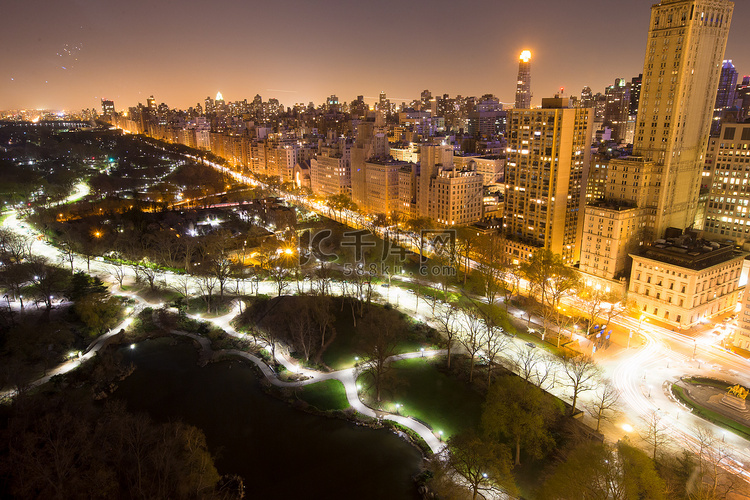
column 68, row 54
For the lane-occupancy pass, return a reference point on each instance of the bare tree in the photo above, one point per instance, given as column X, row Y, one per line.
column 149, row 273
column 279, row 276
column 605, row 404
column 494, row 342
column 472, row 331
column 713, row 480
column 654, row 433
column 380, row 333
column 511, row 277
column 321, row 313
column 13, row 278
column 491, row 266
column 448, row 319
column 181, row 284
column 67, row 248
column 525, row 361
column 582, row 374
column 207, row 284
column 599, row 304
column 118, row 273
column 302, row 329
column 46, row 280
column 14, row 246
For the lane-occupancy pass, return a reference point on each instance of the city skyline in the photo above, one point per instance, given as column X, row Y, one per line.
column 81, row 52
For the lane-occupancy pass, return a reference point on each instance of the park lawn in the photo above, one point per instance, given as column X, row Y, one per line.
column 710, row 415
column 341, row 353
column 325, row 396
column 438, row 399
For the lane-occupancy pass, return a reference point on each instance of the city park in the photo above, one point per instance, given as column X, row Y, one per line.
column 488, row 367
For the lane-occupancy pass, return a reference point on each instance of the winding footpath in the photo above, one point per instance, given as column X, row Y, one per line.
column 347, row 377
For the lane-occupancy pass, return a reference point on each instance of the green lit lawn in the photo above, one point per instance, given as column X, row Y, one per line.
column 326, row 395
column 342, row 351
column 436, row 398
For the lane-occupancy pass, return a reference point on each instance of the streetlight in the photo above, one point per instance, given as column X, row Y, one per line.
column 440, row 435
column 398, row 405
column 422, row 349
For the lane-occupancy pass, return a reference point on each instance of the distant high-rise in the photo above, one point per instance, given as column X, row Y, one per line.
column 151, row 104
column 617, row 108
column 523, row 87
column 108, row 107
column 725, row 95
column 587, row 98
column 383, row 104
column 743, row 98
column 635, row 94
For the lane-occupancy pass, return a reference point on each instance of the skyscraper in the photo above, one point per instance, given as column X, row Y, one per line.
column 635, row 94
column 725, row 95
column 617, row 108
column 743, row 98
column 658, row 187
column 523, row 87
column 545, row 177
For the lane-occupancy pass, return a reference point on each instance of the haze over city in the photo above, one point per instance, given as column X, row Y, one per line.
column 70, row 54
column 434, row 251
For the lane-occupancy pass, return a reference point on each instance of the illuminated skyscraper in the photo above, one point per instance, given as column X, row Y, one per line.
column 725, row 95
column 617, row 108
column 686, row 43
column 523, row 87
column 658, row 187
column 545, row 178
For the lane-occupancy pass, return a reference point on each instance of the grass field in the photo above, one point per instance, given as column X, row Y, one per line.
column 343, row 350
column 439, row 399
column 326, row 395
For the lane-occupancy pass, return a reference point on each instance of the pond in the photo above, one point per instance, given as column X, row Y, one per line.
column 281, row 452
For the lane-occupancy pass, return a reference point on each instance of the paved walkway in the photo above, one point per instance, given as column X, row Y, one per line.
column 347, row 377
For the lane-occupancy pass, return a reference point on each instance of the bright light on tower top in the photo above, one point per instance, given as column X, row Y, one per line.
column 219, row 97
column 526, row 55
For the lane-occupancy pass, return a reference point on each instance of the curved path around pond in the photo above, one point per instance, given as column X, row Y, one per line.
column 347, row 377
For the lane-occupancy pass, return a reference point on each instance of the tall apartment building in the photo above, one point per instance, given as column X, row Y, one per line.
column 728, row 210
column 523, row 85
column 491, row 167
column 617, row 108
column 662, row 178
column 448, row 193
column 371, row 142
column 330, row 171
column 545, row 178
column 382, row 185
column 457, row 196
column 433, row 158
column 108, row 107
